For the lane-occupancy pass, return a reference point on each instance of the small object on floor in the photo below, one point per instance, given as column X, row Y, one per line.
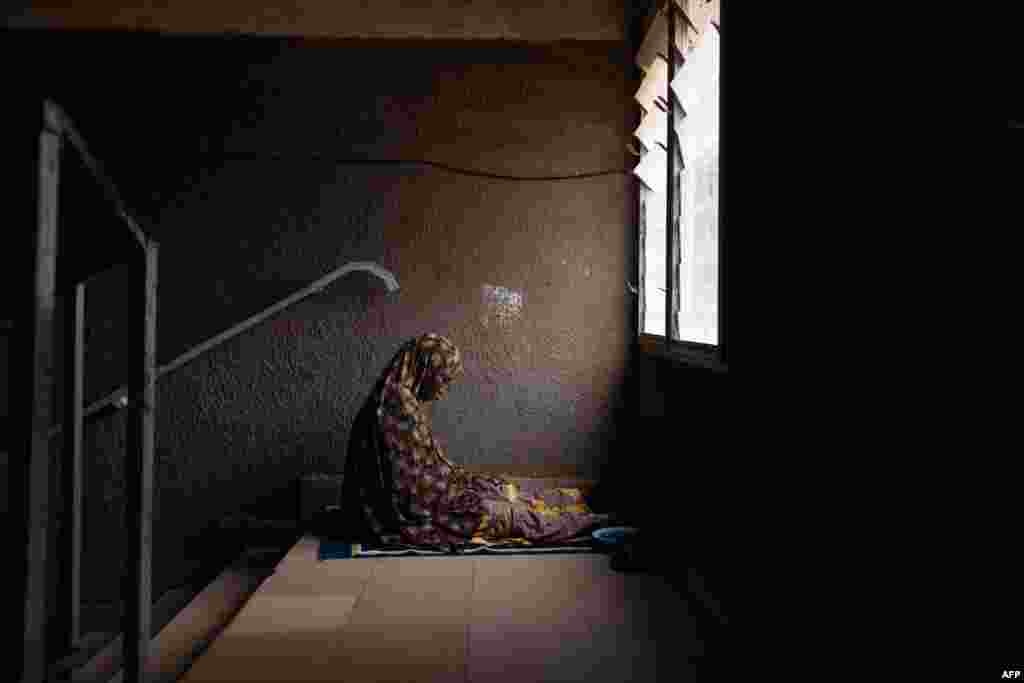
column 615, row 536
column 334, row 550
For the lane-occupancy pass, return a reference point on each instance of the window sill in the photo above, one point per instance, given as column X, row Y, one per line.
column 683, row 354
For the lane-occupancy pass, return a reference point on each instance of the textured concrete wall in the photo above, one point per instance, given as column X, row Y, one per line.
column 229, row 151
column 538, row 20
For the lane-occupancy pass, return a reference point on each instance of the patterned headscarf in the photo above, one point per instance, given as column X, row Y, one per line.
column 425, row 365
column 419, row 372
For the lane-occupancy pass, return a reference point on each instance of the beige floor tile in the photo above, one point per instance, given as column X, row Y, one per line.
column 569, row 620
column 174, row 646
column 419, row 651
column 275, row 614
column 277, row 638
column 452, row 620
column 268, row 658
column 303, row 552
column 333, row 577
column 408, row 588
column 411, row 622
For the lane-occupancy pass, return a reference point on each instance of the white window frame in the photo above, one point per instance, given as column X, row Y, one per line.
column 679, row 34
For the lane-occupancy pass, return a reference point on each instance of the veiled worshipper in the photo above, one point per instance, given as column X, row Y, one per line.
column 400, row 488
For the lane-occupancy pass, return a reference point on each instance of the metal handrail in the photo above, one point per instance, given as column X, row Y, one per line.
column 121, row 397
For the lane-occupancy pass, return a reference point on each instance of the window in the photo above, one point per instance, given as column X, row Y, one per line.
column 680, row 275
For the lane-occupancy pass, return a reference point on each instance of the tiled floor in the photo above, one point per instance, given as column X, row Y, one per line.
column 484, row 619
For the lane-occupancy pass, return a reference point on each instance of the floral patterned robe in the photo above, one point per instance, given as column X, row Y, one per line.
column 400, row 487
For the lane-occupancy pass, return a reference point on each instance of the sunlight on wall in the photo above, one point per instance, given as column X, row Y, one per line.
column 501, row 305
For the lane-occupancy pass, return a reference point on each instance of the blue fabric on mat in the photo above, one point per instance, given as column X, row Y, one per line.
column 334, row 550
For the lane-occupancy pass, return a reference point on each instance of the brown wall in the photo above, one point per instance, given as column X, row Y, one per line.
column 233, row 154
column 535, row 20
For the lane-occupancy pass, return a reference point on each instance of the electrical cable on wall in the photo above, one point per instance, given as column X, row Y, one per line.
column 424, row 162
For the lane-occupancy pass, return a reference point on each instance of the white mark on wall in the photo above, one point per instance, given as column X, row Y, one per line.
column 501, row 305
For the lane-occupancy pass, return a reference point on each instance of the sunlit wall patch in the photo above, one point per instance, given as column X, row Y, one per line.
column 501, row 305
